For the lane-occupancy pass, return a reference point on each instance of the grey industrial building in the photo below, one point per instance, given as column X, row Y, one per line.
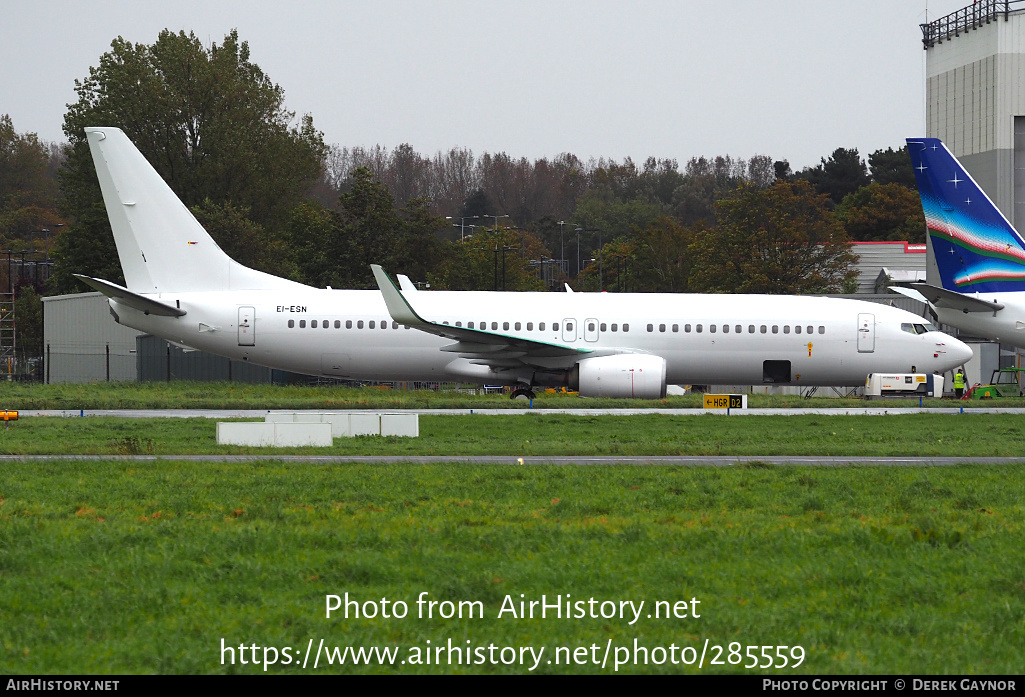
column 975, row 102
column 975, row 95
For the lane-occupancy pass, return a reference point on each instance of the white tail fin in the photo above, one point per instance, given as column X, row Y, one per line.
column 161, row 245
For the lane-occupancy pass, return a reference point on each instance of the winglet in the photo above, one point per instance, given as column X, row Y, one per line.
column 398, row 307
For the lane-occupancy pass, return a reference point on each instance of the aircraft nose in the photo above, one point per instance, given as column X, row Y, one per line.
column 953, row 352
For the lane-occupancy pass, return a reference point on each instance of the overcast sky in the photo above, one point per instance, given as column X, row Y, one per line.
column 791, row 79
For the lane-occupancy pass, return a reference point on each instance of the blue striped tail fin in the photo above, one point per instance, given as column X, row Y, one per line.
column 976, row 249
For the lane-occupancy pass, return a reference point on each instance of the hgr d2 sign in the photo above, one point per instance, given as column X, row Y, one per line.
column 725, row 401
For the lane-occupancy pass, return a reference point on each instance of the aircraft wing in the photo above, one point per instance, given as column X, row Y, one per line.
column 133, row 300
column 941, row 297
column 480, row 347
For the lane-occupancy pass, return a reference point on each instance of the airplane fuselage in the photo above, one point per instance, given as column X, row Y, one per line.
column 1006, row 325
column 720, row 339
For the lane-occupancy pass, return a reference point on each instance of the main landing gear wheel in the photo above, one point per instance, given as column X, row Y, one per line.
column 522, row 393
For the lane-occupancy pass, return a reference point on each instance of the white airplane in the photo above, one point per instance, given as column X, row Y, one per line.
column 976, row 271
column 182, row 287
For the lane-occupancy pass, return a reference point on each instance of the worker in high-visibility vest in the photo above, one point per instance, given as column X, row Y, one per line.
column 959, row 383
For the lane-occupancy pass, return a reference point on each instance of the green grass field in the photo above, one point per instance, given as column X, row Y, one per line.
column 122, row 567
column 117, row 566
column 541, row 434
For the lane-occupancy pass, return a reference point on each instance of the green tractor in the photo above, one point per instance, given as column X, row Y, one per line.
column 1006, row 382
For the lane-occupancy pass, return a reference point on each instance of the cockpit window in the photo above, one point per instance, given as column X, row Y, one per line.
column 917, row 328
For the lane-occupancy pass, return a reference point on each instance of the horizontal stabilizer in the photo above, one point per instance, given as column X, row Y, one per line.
column 133, row 300
column 940, row 297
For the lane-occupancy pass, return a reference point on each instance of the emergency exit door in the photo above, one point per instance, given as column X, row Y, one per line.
column 866, row 332
column 246, row 326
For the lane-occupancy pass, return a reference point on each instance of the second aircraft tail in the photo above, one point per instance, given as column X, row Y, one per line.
column 975, row 248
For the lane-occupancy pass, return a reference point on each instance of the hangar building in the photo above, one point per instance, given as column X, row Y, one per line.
column 975, row 95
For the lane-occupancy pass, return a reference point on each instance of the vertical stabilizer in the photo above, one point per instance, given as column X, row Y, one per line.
column 161, row 245
column 973, row 246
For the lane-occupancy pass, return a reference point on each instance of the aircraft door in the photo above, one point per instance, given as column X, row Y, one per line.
column 866, row 332
column 246, row 326
column 590, row 329
column 569, row 330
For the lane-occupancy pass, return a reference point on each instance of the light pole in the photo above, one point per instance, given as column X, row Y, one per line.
column 578, row 231
column 462, row 223
column 496, row 217
column 600, row 245
column 562, row 244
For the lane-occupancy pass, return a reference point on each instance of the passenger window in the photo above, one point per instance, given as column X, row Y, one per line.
column 602, row 327
column 676, row 328
column 775, row 329
column 615, row 327
column 348, row 324
column 530, row 326
column 725, row 329
column 338, row 324
column 313, row 324
column 394, row 325
column 711, row 328
column 517, row 326
column 541, row 327
column 359, row 324
column 291, row 323
column 811, row 329
column 469, row 325
column 686, row 328
column 326, row 324
column 762, row 329
column 555, row 326
column 494, row 326
column 590, row 326
column 505, row 326
column 786, row 328
column 372, row 324
column 822, row 329
column 626, row 327
column 662, row 328
column 738, row 329
column 797, row 329
column 750, row 329
column 302, row 324
column 697, row 329
column 458, row 323
column 569, row 326
column 384, row 325
column 651, row 328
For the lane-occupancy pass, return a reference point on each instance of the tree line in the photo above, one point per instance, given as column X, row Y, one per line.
column 276, row 197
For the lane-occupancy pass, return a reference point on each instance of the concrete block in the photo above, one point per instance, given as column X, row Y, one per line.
column 298, row 434
column 400, row 425
column 273, row 434
column 339, row 424
column 339, row 421
column 364, row 424
column 245, row 433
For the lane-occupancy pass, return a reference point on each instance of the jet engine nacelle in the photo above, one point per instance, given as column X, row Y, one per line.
column 627, row 375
